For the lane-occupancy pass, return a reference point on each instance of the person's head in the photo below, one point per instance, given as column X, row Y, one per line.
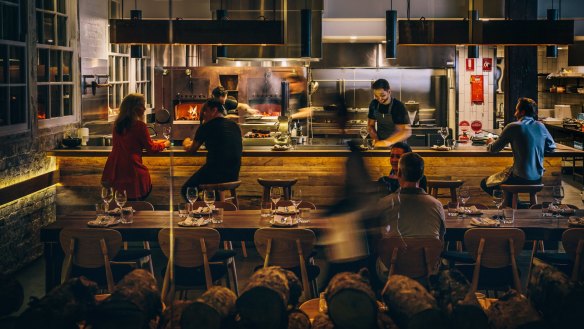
column 131, row 109
column 397, row 150
column 211, row 109
column 381, row 91
column 220, row 94
column 525, row 107
column 411, row 168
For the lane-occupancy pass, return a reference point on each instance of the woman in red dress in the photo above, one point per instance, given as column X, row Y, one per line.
column 124, row 169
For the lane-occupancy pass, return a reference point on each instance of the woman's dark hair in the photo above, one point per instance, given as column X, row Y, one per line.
column 127, row 112
column 219, row 92
column 528, row 105
column 403, row 146
column 380, row 84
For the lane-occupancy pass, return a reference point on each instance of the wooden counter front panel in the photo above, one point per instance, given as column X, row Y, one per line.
column 321, row 178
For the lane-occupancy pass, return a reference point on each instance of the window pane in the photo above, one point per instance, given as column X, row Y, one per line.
column 3, row 106
column 55, row 73
column 47, row 33
column 3, row 62
column 124, row 69
column 43, row 102
column 17, row 105
column 61, row 6
column 55, row 101
column 67, row 55
column 62, row 31
column 39, row 4
column 43, row 65
column 10, row 23
column 67, row 100
column 17, row 69
column 49, row 5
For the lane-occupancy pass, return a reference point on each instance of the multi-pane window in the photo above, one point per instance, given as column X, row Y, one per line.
column 119, row 60
column 54, row 60
column 13, row 91
column 143, row 75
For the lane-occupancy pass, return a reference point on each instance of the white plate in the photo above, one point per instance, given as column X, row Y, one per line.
column 276, row 221
column 280, row 148
column 194, row 223
column 286, row 211
column 484, row 222
column 440, row 148
column 470, row 211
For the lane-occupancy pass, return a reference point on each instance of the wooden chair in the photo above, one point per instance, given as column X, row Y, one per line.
column 221, row 188
column 193, row 249
column 435, row 184
column 416, row 258
column 277, row 245
column 285, row 184
column 494, row 248
column 514, row 191
column 89, row 249
column 573, row 242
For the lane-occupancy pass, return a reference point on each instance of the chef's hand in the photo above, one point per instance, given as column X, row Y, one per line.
column 490, row 140
column 382, row 143
column 187, row 143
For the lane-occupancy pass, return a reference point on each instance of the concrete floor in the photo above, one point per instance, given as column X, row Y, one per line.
column 32, row 277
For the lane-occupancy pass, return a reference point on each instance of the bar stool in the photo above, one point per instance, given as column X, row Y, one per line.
column 514, row 190
column 285, row 184
column 435, row 184
column 220, row 189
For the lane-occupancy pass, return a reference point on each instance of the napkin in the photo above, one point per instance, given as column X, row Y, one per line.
column 203, row 210
column 577, row 221
column 469, row 210
column 562, row 208
column 285, row 209
column 190, row 221
column 283, row 221
column 476, row 221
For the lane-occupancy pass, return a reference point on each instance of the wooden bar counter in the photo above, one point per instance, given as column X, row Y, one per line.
column 319, row 170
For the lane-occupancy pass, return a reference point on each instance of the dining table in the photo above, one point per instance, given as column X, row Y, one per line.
column 240, row 225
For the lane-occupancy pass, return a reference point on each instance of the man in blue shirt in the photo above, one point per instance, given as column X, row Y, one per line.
column 529, row 140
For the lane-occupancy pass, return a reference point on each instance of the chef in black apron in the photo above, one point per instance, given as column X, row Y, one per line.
column 388, row 122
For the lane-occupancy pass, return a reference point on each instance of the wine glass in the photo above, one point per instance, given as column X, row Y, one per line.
column 296, row 198
column 275, row 195
column 121, row 197
column 364, row 133
column 192, row 196
column 209, row 199
column 498, row 201
column 444, row 133
column 557, row 195
column 464, row 194
column 107, row 195
column 166, row 131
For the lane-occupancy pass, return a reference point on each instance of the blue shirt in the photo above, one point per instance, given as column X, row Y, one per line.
column 529, row 140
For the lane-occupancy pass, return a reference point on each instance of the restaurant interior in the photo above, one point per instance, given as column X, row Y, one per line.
column 296, row 240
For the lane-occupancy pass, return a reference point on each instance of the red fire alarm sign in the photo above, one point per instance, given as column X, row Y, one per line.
column 470, row 64
column 487, row 64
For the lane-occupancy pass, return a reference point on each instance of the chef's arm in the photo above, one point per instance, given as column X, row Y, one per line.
column 402, row 132
column 371, row 129
column 190, row 146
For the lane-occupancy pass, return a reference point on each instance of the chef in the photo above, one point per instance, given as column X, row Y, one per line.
column 388, row 118
column 232, row 109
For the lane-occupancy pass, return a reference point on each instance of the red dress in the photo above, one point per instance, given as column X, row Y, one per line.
column 124, row 169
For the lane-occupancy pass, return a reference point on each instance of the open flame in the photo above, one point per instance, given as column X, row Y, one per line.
column 193, row 113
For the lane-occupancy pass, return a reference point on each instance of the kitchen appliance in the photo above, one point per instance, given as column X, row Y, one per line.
column 562, row 111
column 413, row 108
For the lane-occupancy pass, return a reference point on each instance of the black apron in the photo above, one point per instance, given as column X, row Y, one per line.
column 385, row 124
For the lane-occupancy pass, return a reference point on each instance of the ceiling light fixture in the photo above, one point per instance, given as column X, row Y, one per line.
column 473, row 49
column 306, row 31
column 391, row 32
column 222, row 16
column 551, row 51
column 136, row 50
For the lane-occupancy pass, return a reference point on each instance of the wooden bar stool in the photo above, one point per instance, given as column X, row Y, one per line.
column 514, row 190
column 435, row 184
column 285, row 184
column 220, row 189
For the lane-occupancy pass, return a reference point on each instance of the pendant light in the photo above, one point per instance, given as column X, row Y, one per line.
column 391, row 33
column 136, row 50
column 473, row 50
column 222, row 16
column 551, row 51
column 305, row 31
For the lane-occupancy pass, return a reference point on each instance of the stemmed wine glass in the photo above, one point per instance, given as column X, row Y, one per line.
column 107, row 195
column 296, row 198
column 166, row 131
column 464, row 194
column 121, row 197
column 192, row 196
column 209, row 198
column 364, row 133
column 498, row 201
column 557, row 195
column 444, row 133
column 275, row 195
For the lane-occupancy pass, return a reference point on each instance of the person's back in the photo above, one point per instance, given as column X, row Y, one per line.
column 529, row 145
column 420, row 214
column 223, row 142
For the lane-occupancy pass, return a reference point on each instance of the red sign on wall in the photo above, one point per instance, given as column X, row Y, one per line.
column 477, row 89
column 487, row 64
column 470, row 64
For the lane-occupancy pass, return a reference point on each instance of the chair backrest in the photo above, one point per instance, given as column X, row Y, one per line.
column 496, row 252
column 220, row 189
column 227, row 206
column 540, row 205
column 412, row 257
column 516, row 189
column 573, row 242
column 285, row 184
column 189, row 244
column 87, row 251
column 303, row 204
column 282, row 244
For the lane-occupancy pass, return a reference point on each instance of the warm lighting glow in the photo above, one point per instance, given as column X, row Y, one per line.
column 30, row 195
column 7, row 181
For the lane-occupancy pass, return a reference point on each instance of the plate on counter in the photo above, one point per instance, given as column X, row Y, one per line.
column 440, row 148
column 194, row 222
column 283, row 221
column 280, row 148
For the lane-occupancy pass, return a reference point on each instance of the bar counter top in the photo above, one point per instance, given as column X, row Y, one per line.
column 463, row 150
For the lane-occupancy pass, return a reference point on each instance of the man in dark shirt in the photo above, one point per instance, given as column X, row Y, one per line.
column 391, row 183
column 390, row 115
column 222, row 138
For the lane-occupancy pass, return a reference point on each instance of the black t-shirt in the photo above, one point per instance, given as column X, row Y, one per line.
column 222, row 138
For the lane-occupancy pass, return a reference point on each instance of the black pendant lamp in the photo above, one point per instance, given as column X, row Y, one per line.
column 305, row 33
column 473, row 50
column 552, row 50
column 221, row 50
column 391, row 34
column 136, row 50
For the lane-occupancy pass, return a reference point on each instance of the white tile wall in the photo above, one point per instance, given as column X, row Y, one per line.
column 554, row 65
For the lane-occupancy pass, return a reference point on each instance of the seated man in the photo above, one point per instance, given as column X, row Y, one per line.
column 419, row 214
column 391, row 182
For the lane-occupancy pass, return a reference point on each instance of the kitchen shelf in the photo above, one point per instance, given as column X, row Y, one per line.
column 547, row 92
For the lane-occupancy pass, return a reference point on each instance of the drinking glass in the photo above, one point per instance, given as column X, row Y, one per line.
column 364, row 132
column 464, row 194
column 184, row 209
column 209, row 199
column 107, row 195
column 166, row 131
column 275, row 195
column 557, row 195
column 444, row 133
column 304, row 215
column 266, row 209
column 192, row 196
column 453, row 209
column 498, row 201
column 121, row 197
column 296, row 198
